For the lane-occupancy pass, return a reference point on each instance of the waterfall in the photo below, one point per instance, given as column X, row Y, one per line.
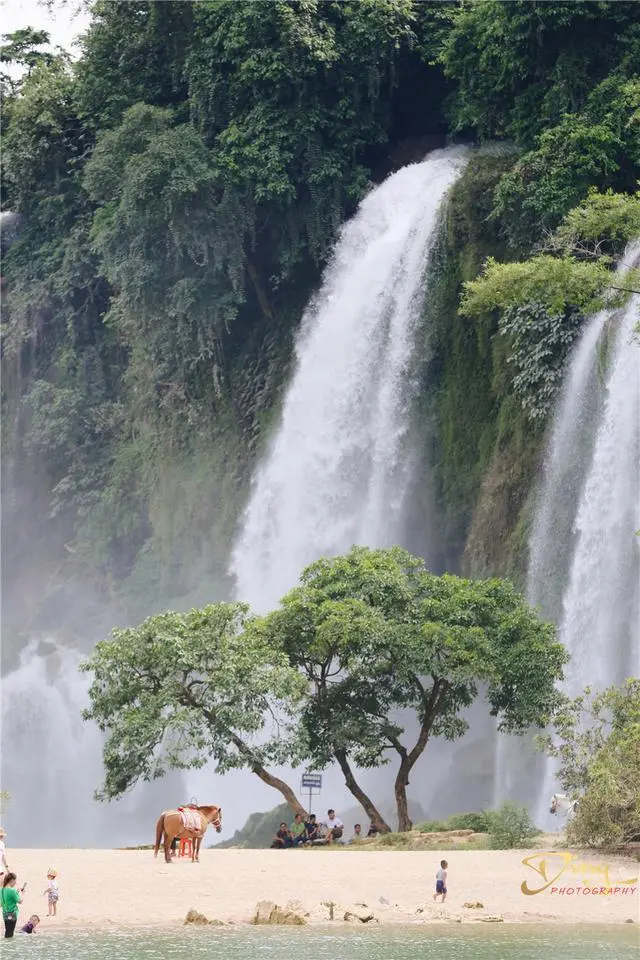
column 584, row 554
column 52, row 759
column 339, row 467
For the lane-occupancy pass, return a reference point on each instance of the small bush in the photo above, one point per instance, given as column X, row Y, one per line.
column 393, row 840
column 479, row 822
column 511, row 826
column 431, row 826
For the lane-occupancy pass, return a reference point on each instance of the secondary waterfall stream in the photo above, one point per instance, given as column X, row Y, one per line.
column 339, row 466
column 584, row 562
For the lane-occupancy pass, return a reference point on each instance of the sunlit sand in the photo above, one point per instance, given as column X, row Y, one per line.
column 127, row 888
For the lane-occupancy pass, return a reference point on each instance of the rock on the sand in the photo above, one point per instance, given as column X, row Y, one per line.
column 352, row 917
column 199, row 919
column 269, row 912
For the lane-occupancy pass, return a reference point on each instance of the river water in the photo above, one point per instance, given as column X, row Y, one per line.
column 402, row 943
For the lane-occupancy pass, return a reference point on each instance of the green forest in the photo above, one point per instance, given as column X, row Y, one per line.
column 177, row 191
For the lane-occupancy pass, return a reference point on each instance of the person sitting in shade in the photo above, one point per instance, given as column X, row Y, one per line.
column 312, row 828
column 333, row 826
column 373, row 830
column 357, row 833
column 282, row 838
column 298, row 830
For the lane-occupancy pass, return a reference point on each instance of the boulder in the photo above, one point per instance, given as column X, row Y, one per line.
column 193, row 916
column 269, row 912
column 264, row 909
column 352, row 917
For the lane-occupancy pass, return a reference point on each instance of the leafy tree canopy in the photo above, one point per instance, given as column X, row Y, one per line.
column 181, row 690
column 596, row 148
column 520, row 66
column 578, row 276
column 374, row 633
column 22, row 49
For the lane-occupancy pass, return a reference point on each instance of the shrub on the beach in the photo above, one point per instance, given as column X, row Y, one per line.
column 510, row 826
column 479, row 822
column 431, row 826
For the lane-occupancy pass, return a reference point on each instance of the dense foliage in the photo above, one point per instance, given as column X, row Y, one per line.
column 178, row 189
column 181, row 690
column 542, row 301
column 323, row 678
column 378, row 637
column 597, row 744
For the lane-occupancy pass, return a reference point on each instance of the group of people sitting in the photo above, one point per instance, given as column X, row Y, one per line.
column 308, row 830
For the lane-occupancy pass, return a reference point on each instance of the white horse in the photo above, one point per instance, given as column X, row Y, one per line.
column 563, row 805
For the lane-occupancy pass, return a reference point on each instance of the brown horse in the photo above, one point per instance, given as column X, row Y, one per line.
column 171, row 825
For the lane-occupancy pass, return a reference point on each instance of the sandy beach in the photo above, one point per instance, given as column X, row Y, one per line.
column 130, row 888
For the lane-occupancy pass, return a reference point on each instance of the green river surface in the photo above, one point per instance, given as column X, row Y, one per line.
column 402, row 943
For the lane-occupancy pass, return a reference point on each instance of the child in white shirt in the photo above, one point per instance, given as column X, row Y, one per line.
column 441, row 881
column 52, row 893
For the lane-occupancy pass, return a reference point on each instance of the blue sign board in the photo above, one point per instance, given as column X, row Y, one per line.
column 311, row 781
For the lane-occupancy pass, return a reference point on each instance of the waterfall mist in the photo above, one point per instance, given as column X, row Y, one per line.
column 52, row 760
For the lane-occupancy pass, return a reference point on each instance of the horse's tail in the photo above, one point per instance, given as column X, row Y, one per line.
column 159, row 832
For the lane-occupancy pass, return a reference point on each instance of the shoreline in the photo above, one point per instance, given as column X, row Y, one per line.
column 120, row 890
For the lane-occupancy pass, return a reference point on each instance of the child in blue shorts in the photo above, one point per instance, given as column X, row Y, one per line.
column 441, row 881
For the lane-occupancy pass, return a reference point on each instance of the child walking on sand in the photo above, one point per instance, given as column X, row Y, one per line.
column 52, row 893
column 441, row 881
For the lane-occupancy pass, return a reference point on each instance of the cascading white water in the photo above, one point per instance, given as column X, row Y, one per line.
column 52, row 759
column 552, row 537
column 339, row 467
column 583, row 552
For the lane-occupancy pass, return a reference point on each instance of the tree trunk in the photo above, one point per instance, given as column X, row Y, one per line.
column 400, row 788
column 408, row 758
column 269, row 778
column 280, row 785
column 365, row 802
column 255, row 767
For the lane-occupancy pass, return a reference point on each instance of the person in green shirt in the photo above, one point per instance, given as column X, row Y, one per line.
column 10, row 897
column 298, row 830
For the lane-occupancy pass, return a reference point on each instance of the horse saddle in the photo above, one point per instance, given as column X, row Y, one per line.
column 191, row 819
